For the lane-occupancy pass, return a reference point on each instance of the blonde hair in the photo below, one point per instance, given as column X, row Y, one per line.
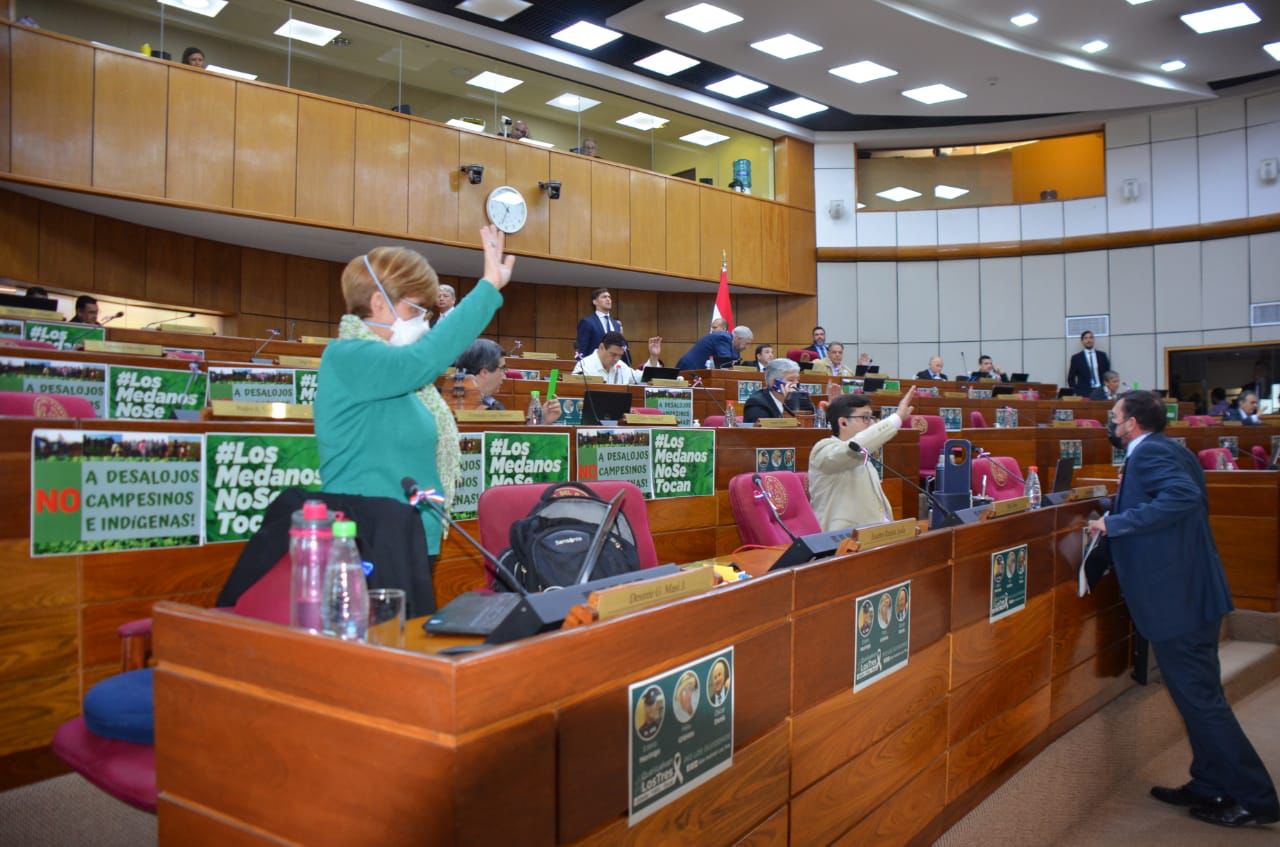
column 404, row 273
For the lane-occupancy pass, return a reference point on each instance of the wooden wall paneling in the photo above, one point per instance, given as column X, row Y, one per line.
column 66, row 247
column 760, row 313
column 793, row 172
column 326, row 161
column 433, row 181
column 610, row 214
column 526, row 167
column 1105, row 675
column 897, row 821
column 648, row 220
column 569, row 220
column 38, row 583
column 982, row 646
column 170, row 267
column 120, row 576
column 31, row 709
column 519, row 311
column 678, row 322
column 638, row 311
column 338, row 303
column 796, row 319
column 200, row 155
column 1000, row 689
column 307, row 289
column 262, row 283
column 119, row 258
column 801, row 247
column 998, row 740
column 775, row 260
column 684, row 254
column 1079, row 641
column 51, row 108
column 5, row 98
column 745, row 233
column 266, row 161
column 217, row 276
column 559, row 308
column 19, row 236
column 38, row 642
column 475, row 149
column 715, row 230
column 771, row 833
column 382, row 172
column 129, row 112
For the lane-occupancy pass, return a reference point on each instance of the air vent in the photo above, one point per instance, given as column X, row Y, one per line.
column 1264, row 314
column 1080, row 324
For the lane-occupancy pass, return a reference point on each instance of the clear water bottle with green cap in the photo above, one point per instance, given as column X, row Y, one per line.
column 346, row 596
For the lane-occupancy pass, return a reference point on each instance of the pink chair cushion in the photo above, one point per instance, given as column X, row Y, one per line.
column 30, row 345
column 513, row 374
column 31, row 405
column 713, row 420
column 1003, row 478
column 1209, row 459
column 976, row 420
column 645, row 410
column 268, row 598
column 1260, row 457
column 755, row 523
column 797, row 354
column 125, row 770
column 931, row 441
column 1200, row 420
column 1088, row 423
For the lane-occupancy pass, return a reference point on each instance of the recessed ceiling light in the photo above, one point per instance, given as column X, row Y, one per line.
column 798, row 108
column 586, row 35
column 786, row 46
column 949, row 192
column 1274, row 49
column 704, row 17
column 218, row 69
column 494, row 82
column 536, row 143
column 860, row 205
column 1138, row 2
column 704, row 138
column 1175, row 65
column 863, row 71
column 898, row 193
column 498, row 10
column 666, row 62
column 208, row 8
column 1095, row 46
column 936, row 93
column 469, row 124
column 1025, row 19
column 643, row 121
column 736, row 86
column 300, row 30
column 1223, row 17
column 573, row 102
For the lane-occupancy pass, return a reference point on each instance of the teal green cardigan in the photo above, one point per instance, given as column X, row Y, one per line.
column 371, row 428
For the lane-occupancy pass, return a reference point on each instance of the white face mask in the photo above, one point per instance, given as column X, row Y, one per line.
column 403, row 332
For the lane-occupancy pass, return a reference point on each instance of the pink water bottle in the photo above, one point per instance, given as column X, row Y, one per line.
column 310, row 537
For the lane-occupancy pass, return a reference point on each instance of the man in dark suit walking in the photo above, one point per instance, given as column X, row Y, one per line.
column 1177, row 594
column 593, row 327
column 1087, row 367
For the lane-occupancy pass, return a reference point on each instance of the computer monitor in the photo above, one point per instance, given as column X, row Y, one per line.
column 19, row 301
column 863, row 370
column 1063, row 474
column 1002, row 390
column 872, row 384
column 725, row 361
column 1019, row 377
column 651, row 373
column 600, row 406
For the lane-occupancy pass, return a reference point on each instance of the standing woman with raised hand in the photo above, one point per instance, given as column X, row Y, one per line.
column 378, row 415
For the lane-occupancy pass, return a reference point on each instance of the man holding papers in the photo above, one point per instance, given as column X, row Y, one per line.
column 1173, row 583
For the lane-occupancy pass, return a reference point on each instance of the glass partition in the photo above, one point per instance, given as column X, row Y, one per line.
column 350, row 60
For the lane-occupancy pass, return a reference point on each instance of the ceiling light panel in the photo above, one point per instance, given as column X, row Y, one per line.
column 666, row 62
column 704, row 17
column 948, row 192
column 498, row 10
column 643, row 121
column 1095, row 46
column 786, row 46
column 736, row 86
column 586, row 35
column 470, row 125
column 573, row 102
column 208, row 8
column 1025, row 19
column 535, row 143
column 704, row 138
column 218, row 69
column 1273, row 49
column 898, row 194
column 1223, row 17
column 300, row 30
column 798, row 108
column 1173, row 65
column 1138, row 2
column 864, row 71
column 936, row 93
column 494, row 82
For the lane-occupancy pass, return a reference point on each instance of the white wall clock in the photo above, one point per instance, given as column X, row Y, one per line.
column 506, row 208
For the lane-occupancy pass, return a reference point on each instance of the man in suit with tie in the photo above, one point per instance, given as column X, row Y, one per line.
column 1087, row 367
column 774, row 400
column 1110, row 389
column 1246, row 411
column 593, row 327
column 1176, row 591
column 819, row 346
column 934, row 371
column 764, row 355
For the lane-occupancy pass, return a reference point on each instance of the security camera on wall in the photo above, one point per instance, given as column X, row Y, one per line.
column 475, row 173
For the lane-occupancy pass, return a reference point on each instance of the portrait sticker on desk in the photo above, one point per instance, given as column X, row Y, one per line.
column 951, row 419
column 153, row 393
column 775, row 459
column 245, row 471
column 69, row 379
column 1117, row 455
column 64, row 336
column 515, row 458
column 1073, row 449
column 979, row 393
column 10, row 328
column 679, row 731
column 1008, row 582
column 684, row 463
column 882, row 634
column 570, row 411
column 1064, row 414
column 104, row 492
column 1232, row 443
column 1006, row 418
column 466, row 494
column 747, row 387
column 927, row 391
column 813, row 389
column 622, row 454
column 252, row 385
column 671, row 401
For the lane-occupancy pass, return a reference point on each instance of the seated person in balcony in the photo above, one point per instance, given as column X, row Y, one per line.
column 519, row 130
column 607, row 360
column 446, row 297
column 1246, row 410
column 777, row 398
column 934, row 371
column 86, row 311
column 193, row 56
column 835, row 360
column 588, row 148
column 486, row 368
column 764, row 355
column 716, row 345
column 1110, row 388
column 844, row 486
column 987, row 370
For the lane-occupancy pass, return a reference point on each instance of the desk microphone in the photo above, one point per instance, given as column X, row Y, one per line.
column 293, row 331
column 108, row 320
column 166, row 320
column 194, row 367
column 271, row 334
column 952, row 519
column 417, row 497
column 964, row 363
column 761, row 494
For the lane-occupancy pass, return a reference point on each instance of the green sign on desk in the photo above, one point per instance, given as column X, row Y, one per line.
column 252, row 385
column 103, row 492
column 69, row 379
column 153, row 393
column 64, row 336
column 1008, row 582
column 513, row 458
column 882, row 634
column 304, row 386
column 679, row 731
column 621, row 453
column 466, row 494
column 245, row 471
column 684, row 463
column 671, row 401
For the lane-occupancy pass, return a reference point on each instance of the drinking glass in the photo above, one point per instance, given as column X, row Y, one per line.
column 386, row 617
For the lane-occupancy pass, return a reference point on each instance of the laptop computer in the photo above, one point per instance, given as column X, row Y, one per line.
column 1000, row 390
column 725, row 361
column 651, row 373
column 601, row 406
column 19, row 301
column 863, row 370
column 1063, row 474
column 1019, row 377
column 872, row 384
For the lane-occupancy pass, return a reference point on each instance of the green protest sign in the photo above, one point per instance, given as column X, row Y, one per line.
column 102, row 492
column 882, row 634
column 304, row 386
column 747, row 387
column 679, row 731
column 68, row 379
column 671, row 401
column 245, row 471
column 153, row 393
column 684, row 463
column 513, row 458
column 466, row 493
column 618, row 454
column 64, row 336
column 1008, row 582
column 252, row 385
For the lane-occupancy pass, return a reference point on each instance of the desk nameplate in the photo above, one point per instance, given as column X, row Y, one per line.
column 633, row 419
column 275, row 411
column 870, row 537
column 777, row 423
column 298, row 361
column 489, row 416
column 532, row 354
column 1087, row 492
column 93, row 345
column 635, row 596
column 1013, row 506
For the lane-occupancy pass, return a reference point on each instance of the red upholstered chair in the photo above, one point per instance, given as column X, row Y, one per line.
column 804, row 483
column 755, row 523
column 514, row 374
column 502, row 505
column 1088, row 423
column 1003, row 478
column 29, row 405
column 645, row 410
column 713, row 420
column 933, row 434
column 1217, row 459
column 1260, row 457
column 1200, row 420
column 797, row 355
column 976, row 420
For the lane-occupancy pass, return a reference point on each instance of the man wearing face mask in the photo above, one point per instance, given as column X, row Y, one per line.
column 1173, row 583
column 378, row 416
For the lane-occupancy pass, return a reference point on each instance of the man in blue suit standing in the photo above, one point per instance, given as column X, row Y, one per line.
column 1177, row 594
column 593, row 327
